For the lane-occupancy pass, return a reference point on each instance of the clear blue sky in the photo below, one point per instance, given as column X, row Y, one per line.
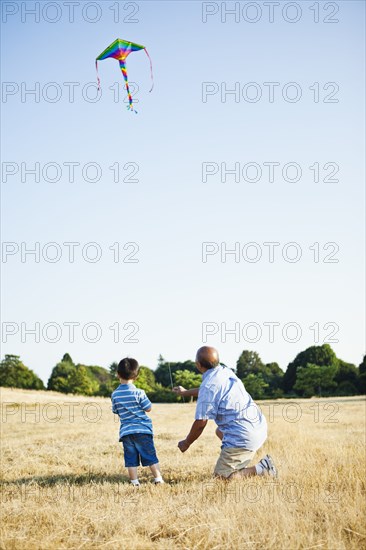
column 170, row 212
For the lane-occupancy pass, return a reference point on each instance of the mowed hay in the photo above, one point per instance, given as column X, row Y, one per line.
column 64, row 484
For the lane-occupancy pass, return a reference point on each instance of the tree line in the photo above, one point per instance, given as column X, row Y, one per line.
column 316, row 371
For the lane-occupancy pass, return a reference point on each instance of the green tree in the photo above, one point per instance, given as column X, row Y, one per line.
column 362, row 376
column 59, row 379
column 255, row 385
column 162, row 395
column 110, row 382
column 67, row 359
column 96, row 373
column 347, row 372
column 145, row 380
column 345, row 388
column 80, row 382
column 187, row 379
column 106, row 389
column 315, row 380
column 273, row 376
column 322, row 356
column 249, row 362
column 162, row 373
column 14, row 374
column 85, row 379
column 113, row 369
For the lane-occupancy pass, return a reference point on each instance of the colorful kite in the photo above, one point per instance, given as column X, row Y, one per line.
column 120, row 49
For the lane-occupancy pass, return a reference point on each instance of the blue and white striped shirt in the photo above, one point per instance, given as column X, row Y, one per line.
column 130, row 403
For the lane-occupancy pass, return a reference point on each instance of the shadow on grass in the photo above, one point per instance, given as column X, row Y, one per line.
column 95, row 478
column 68, row 479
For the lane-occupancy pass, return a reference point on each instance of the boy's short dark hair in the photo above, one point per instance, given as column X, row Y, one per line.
column 128, row 368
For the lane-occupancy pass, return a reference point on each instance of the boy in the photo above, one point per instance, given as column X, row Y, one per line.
column 136, row 433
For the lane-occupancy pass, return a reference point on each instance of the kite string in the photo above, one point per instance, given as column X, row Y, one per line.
column 151, row 70
column 171, row 381
column 171, row 378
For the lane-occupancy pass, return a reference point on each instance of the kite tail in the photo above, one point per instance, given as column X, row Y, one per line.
column 130, row 102
column 151, row 70
column 98, row 79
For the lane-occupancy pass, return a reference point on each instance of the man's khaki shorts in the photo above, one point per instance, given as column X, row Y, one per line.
column 231, row 460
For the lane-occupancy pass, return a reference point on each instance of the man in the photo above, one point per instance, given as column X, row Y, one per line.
column 241, row 425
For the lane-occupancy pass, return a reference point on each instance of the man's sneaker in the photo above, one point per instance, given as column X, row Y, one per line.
column 268, row 465
column 159, row 482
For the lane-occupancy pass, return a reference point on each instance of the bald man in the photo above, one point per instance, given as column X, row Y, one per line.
column 241, row 425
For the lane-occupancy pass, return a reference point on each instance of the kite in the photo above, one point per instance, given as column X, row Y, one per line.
column 120, row 49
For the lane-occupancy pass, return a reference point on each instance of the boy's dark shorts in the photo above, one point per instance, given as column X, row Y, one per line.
column 139, row 448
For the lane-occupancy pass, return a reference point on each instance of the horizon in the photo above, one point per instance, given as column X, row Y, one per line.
column 45, row 379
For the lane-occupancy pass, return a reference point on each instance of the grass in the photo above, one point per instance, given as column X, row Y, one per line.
column 63, row 484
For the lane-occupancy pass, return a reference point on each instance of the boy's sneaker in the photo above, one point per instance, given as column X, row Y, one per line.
column 160, row 482
column 269, row 466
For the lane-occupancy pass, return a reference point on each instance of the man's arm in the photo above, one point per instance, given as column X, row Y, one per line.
column 179, row 390
column 197, row 428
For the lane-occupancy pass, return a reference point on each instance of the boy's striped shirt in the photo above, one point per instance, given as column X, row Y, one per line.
column 130, row 403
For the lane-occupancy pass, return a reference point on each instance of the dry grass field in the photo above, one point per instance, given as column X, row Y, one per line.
column 63, row 484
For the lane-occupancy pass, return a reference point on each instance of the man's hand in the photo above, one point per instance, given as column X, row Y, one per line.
column 179, row 390
column 197, row 428
column 183, row 445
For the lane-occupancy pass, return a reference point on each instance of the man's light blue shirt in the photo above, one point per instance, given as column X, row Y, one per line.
column 223, row 398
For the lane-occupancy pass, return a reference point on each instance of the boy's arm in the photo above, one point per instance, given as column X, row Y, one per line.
column 114, row 408
column 145, row 402
column 197, row 428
